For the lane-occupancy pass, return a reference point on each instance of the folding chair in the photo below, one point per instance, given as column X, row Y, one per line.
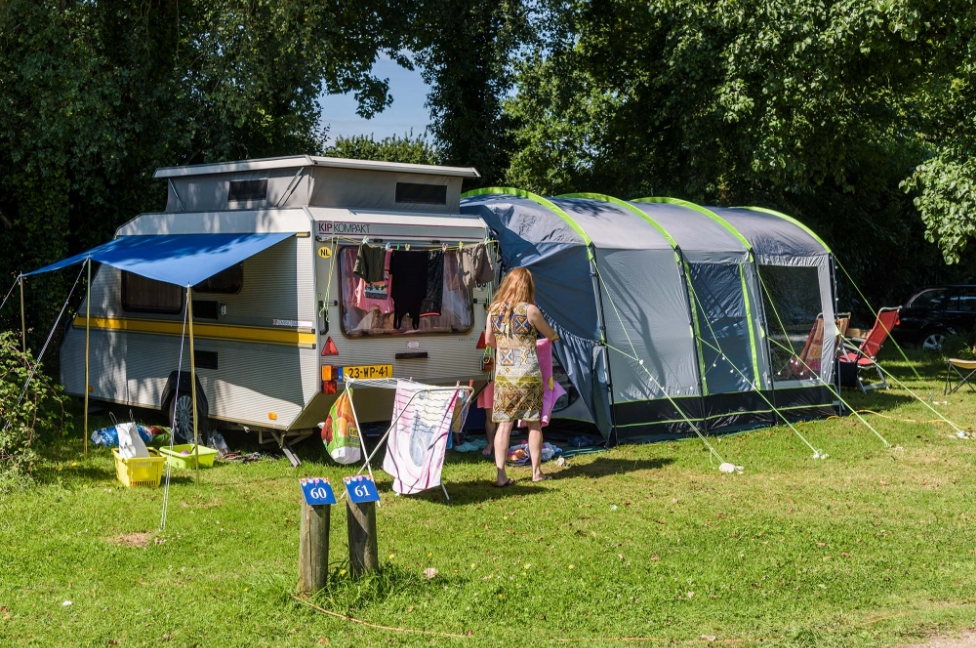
column 808, row 363
column 864, row 356
column 959, row 366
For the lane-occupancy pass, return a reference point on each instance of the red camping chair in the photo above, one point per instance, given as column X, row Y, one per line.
column 864, row 357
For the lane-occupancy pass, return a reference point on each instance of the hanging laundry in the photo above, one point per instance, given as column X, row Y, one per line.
column 417, row 443
column 370, row 263
column 408, row 276
column 452, row 270
column 377, row 293
column 474, row 266
column 434, row 297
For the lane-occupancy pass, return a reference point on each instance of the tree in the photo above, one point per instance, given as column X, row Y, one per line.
column 408, row 149
column 95, row 95
column 465, row 51
column 812, row 108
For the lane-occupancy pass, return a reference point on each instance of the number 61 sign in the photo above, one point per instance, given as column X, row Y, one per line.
column 361, row 489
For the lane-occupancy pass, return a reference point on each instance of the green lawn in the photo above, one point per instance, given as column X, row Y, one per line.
column 871, row 547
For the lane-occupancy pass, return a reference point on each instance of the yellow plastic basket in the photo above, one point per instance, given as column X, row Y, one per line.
column 139, row 471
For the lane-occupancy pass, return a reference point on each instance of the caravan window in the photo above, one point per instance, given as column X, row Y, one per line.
column 143, row 295
column 225, row 282
column 369, row 309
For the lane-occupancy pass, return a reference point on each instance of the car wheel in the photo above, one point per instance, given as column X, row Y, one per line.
column 181, row 419
column 934, row 341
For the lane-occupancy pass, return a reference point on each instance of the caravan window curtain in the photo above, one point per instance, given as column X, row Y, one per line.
column 143, row 295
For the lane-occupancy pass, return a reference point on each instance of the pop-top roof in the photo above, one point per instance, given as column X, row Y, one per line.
column 296, row 161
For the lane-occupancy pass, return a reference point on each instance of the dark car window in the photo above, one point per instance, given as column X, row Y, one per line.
column 928, row 299
column 964, row 300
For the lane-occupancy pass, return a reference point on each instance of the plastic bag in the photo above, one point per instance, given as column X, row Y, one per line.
column 109, row 437
column 339, row 433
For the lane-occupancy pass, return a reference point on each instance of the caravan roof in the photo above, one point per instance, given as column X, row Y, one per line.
column 295, row 161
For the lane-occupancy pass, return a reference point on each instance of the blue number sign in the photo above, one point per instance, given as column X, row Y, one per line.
column 361, row 489
column 317, row 491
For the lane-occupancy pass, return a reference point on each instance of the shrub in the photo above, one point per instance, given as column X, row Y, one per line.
column 23, row 418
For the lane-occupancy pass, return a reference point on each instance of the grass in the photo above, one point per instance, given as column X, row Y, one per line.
column 871, row 547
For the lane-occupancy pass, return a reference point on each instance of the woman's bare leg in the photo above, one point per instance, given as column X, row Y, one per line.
column 535, row 450
column 489, row 433
column 503, row 433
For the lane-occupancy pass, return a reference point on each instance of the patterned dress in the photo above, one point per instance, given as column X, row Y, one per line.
column 518, row 378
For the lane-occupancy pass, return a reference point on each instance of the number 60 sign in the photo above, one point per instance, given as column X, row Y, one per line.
column 361, row 489
column 317, row 491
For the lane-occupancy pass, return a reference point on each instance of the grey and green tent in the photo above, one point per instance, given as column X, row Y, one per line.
column 674, row 315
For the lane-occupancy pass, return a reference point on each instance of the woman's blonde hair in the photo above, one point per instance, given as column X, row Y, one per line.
column 517, row 287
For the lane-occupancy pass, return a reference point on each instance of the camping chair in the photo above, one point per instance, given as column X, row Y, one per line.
column 807, row 364
column 864, row 356
column 959, row 366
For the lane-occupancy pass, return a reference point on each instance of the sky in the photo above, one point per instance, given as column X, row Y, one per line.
column 407, row 111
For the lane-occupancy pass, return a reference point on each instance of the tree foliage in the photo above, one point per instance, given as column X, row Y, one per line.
column 818, row 109
column 409, row 149
column 25, row 410
column 95, row 95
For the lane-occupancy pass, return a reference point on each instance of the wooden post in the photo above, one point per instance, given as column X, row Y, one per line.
column 313, row 548
column 361, row 523
column 193, row 380
column 23, row 319
column 87, row 349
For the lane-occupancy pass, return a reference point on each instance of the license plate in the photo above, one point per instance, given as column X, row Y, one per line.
column 365, row 372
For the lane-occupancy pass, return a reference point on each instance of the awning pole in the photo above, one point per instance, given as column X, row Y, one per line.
column 87, row 348
column 193, row 381
column 23, row 319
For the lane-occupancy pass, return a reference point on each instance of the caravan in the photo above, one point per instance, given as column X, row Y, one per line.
column 276, row 334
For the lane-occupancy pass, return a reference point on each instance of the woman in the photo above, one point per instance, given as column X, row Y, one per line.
column 514, row 323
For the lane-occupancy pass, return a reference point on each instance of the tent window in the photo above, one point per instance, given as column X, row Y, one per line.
column 369, row 310
column 247, row 190
column 226, row 282
column 791, row 297
column 426, row 194
column 143, row 295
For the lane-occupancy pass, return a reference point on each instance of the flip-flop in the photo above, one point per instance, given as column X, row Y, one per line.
column 508, row 483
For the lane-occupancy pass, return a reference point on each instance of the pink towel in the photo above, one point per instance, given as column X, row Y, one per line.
column 551, row 389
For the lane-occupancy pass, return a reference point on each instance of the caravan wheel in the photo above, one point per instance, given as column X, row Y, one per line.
column 181, row 419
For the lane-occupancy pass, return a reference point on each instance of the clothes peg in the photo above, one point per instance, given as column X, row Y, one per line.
column 444, row 247
column 365, row 240
column 460, row 244
column 389, row 246
column 407, row 245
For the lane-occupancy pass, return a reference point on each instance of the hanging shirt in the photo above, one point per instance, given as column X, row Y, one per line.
column 370, row 263
column 377, row 293
column 474, row 266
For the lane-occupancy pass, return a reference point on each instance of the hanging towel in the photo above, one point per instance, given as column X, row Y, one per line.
column 475, row 266
column 434, row 297
column 408, row 274
column 370, row 263
column 416, row 445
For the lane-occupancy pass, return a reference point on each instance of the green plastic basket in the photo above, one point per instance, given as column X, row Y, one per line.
column 177, row 459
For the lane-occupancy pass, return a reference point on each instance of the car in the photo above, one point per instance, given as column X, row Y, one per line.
column 931, row 314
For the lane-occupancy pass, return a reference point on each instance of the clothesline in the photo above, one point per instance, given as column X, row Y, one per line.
column 397, row 246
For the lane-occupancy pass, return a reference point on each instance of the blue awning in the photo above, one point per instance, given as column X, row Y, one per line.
column 181, row 259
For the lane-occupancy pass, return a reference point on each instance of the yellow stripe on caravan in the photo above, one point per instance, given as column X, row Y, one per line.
column 224, row 332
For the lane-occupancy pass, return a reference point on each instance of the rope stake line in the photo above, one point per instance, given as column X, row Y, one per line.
column 833, row 390
column 640, row 363
column 875, row 314
column 917, row 397
column 172, row 432
column 50, row 336
column 817, row 454
column 9, row 293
